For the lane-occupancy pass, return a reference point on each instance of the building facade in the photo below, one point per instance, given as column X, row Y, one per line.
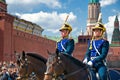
column 17, row 35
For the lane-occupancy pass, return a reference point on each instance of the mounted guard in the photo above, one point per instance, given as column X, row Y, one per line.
column 97, row 52
column 66, row 44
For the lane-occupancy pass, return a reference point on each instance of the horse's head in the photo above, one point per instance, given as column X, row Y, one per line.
column 23, row 63
column 55, row 66
column 29, row 63
column 62, row 66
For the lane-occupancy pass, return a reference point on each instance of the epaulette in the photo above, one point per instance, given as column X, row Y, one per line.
column 59, row 40
column 70, row 39
column 105, row 39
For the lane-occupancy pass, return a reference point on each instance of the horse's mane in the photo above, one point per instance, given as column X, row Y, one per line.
column 37, row 57
column 76, row 61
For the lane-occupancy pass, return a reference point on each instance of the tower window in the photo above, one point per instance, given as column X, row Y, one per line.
column 84, row 40
column 80, row 40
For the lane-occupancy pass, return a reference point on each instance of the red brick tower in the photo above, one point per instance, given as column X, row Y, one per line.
column 93, row 13
column 6, row 29
column 116, row 33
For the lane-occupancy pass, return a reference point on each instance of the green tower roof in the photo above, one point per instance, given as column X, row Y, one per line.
column 116, row 18
column 93, row 1
column 3, row 1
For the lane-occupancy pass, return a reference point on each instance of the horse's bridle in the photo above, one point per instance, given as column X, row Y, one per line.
column 58, row 62
column 24, row 64
column 65, row 76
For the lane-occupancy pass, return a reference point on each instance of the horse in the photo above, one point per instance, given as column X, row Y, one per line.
column 31, row 65
column 61, row 66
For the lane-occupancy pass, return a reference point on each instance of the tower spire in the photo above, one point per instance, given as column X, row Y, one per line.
column 116, row 33
column 116, row 18
column 93, row 1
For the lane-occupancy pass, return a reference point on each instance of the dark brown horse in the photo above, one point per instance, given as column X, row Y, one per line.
column 31, row 64
column 64, row 67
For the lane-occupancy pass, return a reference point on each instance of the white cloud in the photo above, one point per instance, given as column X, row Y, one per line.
column 110, row 26
column 30, row 3
column 49, row 21
column 107, row 2
column 115, row 11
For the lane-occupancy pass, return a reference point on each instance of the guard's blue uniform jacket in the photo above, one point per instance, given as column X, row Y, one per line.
column 66, row 46
column 98, row 59
column 102, row 46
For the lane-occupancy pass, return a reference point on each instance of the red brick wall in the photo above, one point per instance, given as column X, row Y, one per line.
column 32, row 43
column 114, row 54
column 16, row 41
column 79, row 51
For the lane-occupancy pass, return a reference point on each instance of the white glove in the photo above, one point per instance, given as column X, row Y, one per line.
column 90, row 63
column 85, row 61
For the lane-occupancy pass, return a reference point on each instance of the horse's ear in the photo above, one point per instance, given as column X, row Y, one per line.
column 18, row 62
column 23, row 52
column 57, row 52
column 23, row 55
column 48, row 52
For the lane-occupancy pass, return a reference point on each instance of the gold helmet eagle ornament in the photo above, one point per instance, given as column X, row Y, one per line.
column 66, row 26
column 99, row 25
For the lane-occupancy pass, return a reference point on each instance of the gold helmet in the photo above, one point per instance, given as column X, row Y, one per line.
column 66, row 26
column 99, row 26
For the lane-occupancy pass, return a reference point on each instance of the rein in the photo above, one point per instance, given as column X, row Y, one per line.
column 73, row 73
column 67, row 75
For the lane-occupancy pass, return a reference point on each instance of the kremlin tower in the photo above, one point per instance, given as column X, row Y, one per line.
column 6, row 31
column 116, row 33
column 93, row 14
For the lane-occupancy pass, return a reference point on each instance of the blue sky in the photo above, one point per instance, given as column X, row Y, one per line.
column 50, row 14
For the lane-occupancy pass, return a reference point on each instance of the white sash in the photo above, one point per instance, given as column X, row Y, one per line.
column 63, row 46
column 99, row 53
